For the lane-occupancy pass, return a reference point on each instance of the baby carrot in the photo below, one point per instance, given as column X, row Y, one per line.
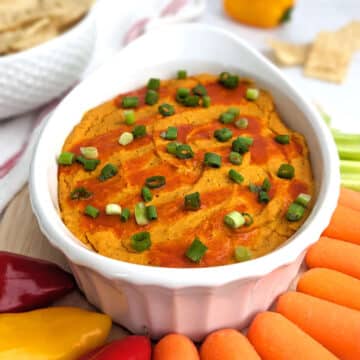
column 349, row 198
column 227, row 344
column 336, row 255
column 344, row 225
column 334, row 326
column 276, row 338
column 331, row 285
column 175, row 347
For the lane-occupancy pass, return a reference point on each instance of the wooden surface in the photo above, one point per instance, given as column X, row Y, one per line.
column 20, row 233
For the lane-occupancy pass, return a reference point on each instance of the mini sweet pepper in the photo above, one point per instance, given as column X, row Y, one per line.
column 261, row 13
column 55, row 333
column 27, row 283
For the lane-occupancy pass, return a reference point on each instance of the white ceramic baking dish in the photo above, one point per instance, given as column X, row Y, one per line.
column 190, row 301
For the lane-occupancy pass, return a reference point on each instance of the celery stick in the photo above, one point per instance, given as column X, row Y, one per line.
column 349, row 152
column 346, row 139
column 351, row 182
column 350, row 167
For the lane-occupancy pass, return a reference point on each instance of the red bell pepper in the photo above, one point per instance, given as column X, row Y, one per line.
column 130, row 348
column 27, row 283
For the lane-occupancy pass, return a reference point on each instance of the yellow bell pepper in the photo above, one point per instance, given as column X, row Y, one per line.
column 261, row 13
column 54, row 333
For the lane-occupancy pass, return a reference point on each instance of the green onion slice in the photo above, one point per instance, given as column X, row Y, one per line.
column 303, row 200
column 140, row 214
column 171, row 147
column 151, row 212
column 295, row 212
column 242, row 123
column 227, row 118
column 184, row 151
column 206, row 101
column 153, row 84
column 182, row 74
column 107, row 172
column 151, row 97
column 166, row 109
column 249, row 220
column 170, row 133
column 228, row 80
column 266, row 185
column 234, row 219
column 235, row 176
column 146, row 194
column 130, row 102
column 242, row 253
column 113, row 209
column 80, row 193
column 91, row 211
column 141, row 241
column 235, row 158
column 196, row 250
column 154, row 182
column 89, row 152
column 66, row 158
column 199, row 90
column 223, row 134
column 282, row 139
column 212, row 160
column 252, row 94
column 286, row 171
column 191, row 101
column 192, row 201
column 89, row 164
column 139, row 131
column 242, row 144
column 234, row 110
column 126, row 138
column 263, row 197
column 125, row 215
column 129, row 117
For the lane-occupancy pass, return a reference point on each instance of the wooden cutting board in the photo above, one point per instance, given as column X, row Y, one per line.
column 20, row 233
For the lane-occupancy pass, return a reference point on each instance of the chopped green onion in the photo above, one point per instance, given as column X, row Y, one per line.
column 234, row 219
column 235, row 176
column 228, row 81
column 184, row 151
column 223, row 134
column 166, row 109
column 196, row 250
column 140, row 214
column 191, row 101
column 181, row 94
column 171, row 147
column 113, row 209
column 170, row 133
column 107, row 172
column 151, row 97
column 139, row 131
column 295, row 212
column 151, row 212
column 89, row 164
column 129, row 117
column 227, row 118
column 242, row 123
column 146, row 194
column 153, row 84
column 199, row 90
column 282, row 139
column 192, row 201
column 182, row 74
column 89, row 152
column 66, row 158
column 266, row 185
column 286, row 171
column 206, row 101
column 80, row 193
column 91, row 211
column 241, row 144
column 126, row 138
column 249, row 220
column 234, row 110
column 130, row 102
column 263, row 197
column 212, row 160
column 252, row 93
column 235, row 158
column 141, row 241
column 154, row 182
column 125, row 215
column 303, row 200
column 242, row 253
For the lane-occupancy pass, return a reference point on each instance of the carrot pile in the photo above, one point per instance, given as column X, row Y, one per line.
column 321, row 320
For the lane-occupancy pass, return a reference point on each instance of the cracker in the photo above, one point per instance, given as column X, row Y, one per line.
column 351, row 32
column 288, row 54
column 329, row 57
